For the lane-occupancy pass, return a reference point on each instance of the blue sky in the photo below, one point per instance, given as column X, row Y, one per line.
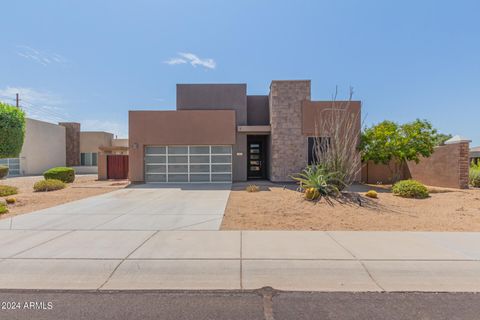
column 92, row 61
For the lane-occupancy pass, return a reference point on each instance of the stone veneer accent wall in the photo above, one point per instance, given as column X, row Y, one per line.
column 288, row 150
column 72, row 143
column 464, row 164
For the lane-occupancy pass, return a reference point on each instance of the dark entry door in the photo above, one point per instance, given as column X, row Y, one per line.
column 117, row 166
column 256, row 159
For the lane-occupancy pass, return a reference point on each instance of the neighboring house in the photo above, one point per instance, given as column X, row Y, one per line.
column 43, row 148
column 84, row 148
column 475, row 154
column 49, row 145
column 220, row 134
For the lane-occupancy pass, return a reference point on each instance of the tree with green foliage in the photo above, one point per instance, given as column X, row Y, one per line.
column 441, row 138
column 12, row 130
column 393, row 144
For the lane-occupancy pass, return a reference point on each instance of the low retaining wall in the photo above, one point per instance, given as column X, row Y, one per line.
column 447, row 167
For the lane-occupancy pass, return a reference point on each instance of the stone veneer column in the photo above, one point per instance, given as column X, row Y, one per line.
column 464, row 164
column 72, row 143
column 288, row 153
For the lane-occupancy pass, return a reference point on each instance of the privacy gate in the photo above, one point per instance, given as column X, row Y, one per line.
column 188, row 164
column 117, row 166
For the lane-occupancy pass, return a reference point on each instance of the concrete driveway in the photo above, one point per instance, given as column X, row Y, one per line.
column 141, row 207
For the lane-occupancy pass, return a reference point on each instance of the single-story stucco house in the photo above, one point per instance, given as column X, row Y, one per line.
column 218, row 133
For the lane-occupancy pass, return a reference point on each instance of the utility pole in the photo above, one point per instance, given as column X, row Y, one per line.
column 17, row 100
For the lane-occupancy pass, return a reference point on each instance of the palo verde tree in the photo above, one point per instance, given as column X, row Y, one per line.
column 393, row 144
column 12, row 130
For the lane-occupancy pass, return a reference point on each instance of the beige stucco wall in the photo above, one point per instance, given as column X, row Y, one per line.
column 120, row 142
column 43, row 148
column 91, row 140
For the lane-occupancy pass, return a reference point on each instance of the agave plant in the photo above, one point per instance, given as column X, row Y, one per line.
column 319, row 178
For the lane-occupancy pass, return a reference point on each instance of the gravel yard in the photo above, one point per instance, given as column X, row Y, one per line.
column 27, row 200
column 276, row 207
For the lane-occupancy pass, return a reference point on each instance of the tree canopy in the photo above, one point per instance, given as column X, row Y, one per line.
column 12, row 130
column 389, row 142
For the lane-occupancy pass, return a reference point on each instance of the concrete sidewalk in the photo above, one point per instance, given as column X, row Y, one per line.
column 284, row 260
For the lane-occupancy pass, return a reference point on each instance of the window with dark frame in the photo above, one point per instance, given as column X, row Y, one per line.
column 324, row 144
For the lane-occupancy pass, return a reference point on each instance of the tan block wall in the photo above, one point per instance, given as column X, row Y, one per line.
column 288, row 150
column 447, row 167
column 43, row 148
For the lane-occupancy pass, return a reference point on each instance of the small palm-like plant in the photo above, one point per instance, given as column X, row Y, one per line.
column 318, row 178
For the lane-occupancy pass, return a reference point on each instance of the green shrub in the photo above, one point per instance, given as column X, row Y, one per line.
column 10, row 200
column 64, row 174
column 474, row 174
column 319, row 178
column 48, row 185
column 6, row 191
column 3, row 171
column 3, row 208
column 410, row 189
column 12, row 130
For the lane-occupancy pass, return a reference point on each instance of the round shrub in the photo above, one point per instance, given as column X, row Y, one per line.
column 10, row 200
column 64, row 174
column 252, row 188
column 3, row 171
column 3, row 208
column 48, row 185
column 410, row 189
column 312, row 194
column 474, row 175
column 372, row 194
column 12, row 130
column 6, row 191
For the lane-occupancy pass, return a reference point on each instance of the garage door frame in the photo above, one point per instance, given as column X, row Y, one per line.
column 165, row 153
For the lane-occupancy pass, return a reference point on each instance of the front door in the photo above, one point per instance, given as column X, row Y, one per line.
column 256, row 159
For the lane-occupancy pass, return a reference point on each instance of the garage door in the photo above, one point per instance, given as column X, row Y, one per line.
column 188, row 164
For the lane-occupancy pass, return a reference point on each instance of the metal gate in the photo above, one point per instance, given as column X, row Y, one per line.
column 210, row 163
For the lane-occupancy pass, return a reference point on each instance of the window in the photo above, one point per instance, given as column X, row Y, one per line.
column 88, row 159
column 323, row 144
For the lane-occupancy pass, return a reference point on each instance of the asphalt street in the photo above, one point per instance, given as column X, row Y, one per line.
column 249, row 305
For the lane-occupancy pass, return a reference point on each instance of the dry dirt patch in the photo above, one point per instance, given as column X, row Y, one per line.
column 27, row 200
column 277, row 207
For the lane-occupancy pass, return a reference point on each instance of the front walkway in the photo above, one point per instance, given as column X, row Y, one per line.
column 285, row 260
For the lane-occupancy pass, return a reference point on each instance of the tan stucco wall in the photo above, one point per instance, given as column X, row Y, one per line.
column 185, row 127
column 43, row 148
column 120, row 142
column 102, row 166
column 312, row 111
column 446, row 167
column 91, row 140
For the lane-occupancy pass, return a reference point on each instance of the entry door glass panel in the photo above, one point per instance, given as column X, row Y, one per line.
column 256, row 161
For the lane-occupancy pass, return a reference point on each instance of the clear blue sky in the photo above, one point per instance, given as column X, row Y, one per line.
column 91, row 61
